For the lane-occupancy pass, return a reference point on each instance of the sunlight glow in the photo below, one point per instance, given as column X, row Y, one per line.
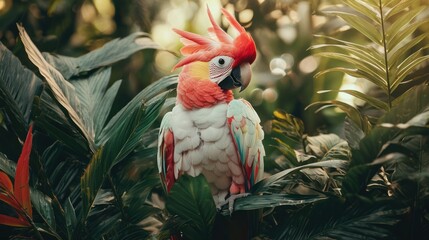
column 350, row 83
column 2, row 5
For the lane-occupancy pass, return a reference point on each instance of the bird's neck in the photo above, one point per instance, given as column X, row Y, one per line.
column 194, row 92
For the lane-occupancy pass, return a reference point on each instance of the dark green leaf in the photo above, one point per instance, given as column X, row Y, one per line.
column 352, row 112
column 352, row 133
column 70, row 216
column 63, row 91
column 411, row 109
column 287, row 152
column 18, row 87
column 125, row 138
column 328, row 147
column 145, row 95
column 408, row 105
column 95, row 101
column 333, row 219
column 111, row 52
column 43, row 205
column 58, row 126
column 190, row 198
column 289, row 126
column 265, row 184
column 253, row 202
column 7, row 166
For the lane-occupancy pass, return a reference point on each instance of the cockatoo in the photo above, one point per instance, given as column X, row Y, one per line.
column 208, row 131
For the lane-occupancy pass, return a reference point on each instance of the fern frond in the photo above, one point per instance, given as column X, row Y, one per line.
column 386, row 58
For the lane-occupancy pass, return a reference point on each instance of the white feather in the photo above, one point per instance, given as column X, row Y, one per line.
column 211, row 134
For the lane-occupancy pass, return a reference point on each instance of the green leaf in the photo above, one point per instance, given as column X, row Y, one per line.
column 43, row 205
column 408, row 105
column 190, row 198
column 145, row 95
column 371, row 70
column 125, row 138
column 352, row 112
column 403, row 21
column 358, row 177
column 333, row 219
column 404, row 33
column 410, row 110
column 328, row 147
column 289, row 126
column 95, row 101
column 265, row 184
column 63, row 91
column 358, row 47
column 356, row 73
column 399, row 52
column 370, row 100
column 358, row 51
column 57, row 125
column 365, row 9
column 135, row 199
column 253, row 202
column 398, row 7
column 407, row 66
column 111, row 52
column 359, row 23
column 288, row 152
column 353, row 133
column 7, row 166
column 18, row 87
column 71, row 220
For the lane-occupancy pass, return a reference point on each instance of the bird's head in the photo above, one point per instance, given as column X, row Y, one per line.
column 219, row 58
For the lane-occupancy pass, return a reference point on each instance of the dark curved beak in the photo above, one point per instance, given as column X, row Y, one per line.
column 240, row 77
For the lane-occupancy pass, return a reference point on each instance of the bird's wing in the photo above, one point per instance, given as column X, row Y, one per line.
column 247, row 136
column 166, row 152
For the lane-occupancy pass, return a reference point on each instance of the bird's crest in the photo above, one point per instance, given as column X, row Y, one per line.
column 199, row 48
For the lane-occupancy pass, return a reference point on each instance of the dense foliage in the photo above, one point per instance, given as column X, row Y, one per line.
column 84, row 170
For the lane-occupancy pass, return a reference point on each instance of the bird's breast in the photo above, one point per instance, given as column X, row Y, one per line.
column 203, row 144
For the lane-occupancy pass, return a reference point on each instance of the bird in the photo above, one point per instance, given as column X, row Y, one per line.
column 208, row 131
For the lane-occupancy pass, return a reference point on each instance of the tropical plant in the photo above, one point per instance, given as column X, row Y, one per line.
column 393, row 48
column 92, row 173
column 373, row 183
column 91, row 170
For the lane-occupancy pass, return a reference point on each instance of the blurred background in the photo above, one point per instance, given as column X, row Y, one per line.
column 283, row 74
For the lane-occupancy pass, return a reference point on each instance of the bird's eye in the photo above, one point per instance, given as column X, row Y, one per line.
column 220, row 67
column 222, row 61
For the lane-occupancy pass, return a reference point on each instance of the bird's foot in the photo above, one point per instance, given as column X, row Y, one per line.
column 230, row 201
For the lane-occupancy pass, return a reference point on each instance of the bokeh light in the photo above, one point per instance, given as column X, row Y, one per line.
column 278, row 66
column 308, row 65
column 270, row 95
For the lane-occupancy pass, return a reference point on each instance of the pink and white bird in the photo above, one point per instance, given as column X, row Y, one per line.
column 208, row 131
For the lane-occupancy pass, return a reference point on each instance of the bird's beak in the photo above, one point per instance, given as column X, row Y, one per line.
column 240, row 77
